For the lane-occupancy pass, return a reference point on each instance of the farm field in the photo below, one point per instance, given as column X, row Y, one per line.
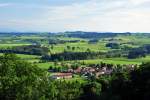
column 58, row 43
column 46, row 65
column 98, row 61
column 11, row 45
column 117, row 61
column 80, row 47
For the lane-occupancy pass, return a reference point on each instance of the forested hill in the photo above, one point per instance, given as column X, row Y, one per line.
column 80, row 34
column 77, row 34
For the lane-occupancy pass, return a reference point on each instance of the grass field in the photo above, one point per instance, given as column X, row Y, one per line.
column 137, row 40
column 45, row 65
column 29, row 58
column 11, row 45
column 117, row 60
column 81, row 46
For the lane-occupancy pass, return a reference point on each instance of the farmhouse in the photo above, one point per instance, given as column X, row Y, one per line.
column 62, row 76
column 78, row 70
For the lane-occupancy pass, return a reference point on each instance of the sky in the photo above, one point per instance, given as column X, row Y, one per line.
column 75, row 15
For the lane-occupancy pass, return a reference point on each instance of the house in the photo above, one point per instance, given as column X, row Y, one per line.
column 78, row 70
column 62, row 76
column 97, row 74
column 70, row 70
column 108, row 71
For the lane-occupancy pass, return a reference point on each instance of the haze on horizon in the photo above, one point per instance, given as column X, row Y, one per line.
column 73, row 15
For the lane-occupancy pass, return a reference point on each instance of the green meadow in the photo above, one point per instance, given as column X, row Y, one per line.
column 82, row 45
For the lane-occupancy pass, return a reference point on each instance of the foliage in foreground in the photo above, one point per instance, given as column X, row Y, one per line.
column 23, row 81
column 20, row 80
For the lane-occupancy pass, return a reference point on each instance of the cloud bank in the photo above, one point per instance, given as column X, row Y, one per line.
column 91, row 15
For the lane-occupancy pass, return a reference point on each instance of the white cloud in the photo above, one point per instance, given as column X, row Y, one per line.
column 137, row 2
column 113, row 15
column 93, row 15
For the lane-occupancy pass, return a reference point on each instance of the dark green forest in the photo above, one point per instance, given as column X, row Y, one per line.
column 30, row 49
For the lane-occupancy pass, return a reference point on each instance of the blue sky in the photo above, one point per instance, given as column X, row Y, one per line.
column 75, row 15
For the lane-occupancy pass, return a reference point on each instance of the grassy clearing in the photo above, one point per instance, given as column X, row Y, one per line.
column 23, row 56
column 29, row 58
column 11, row 45
column 32, row 37
column 137, row 40
column 45, row 65
column 109, row 61
column 80, row 47
column 117, row 60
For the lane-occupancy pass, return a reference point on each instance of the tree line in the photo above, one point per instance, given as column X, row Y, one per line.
column 139, row 52
column 30, row 49
column 72, row 56
column 58, row 41
column 89, row 35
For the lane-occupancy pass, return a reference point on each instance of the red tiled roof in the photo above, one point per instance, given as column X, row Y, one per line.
column 63, row 74
column 77, row 70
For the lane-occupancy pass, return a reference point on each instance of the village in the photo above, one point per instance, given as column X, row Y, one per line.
column 89, row 71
